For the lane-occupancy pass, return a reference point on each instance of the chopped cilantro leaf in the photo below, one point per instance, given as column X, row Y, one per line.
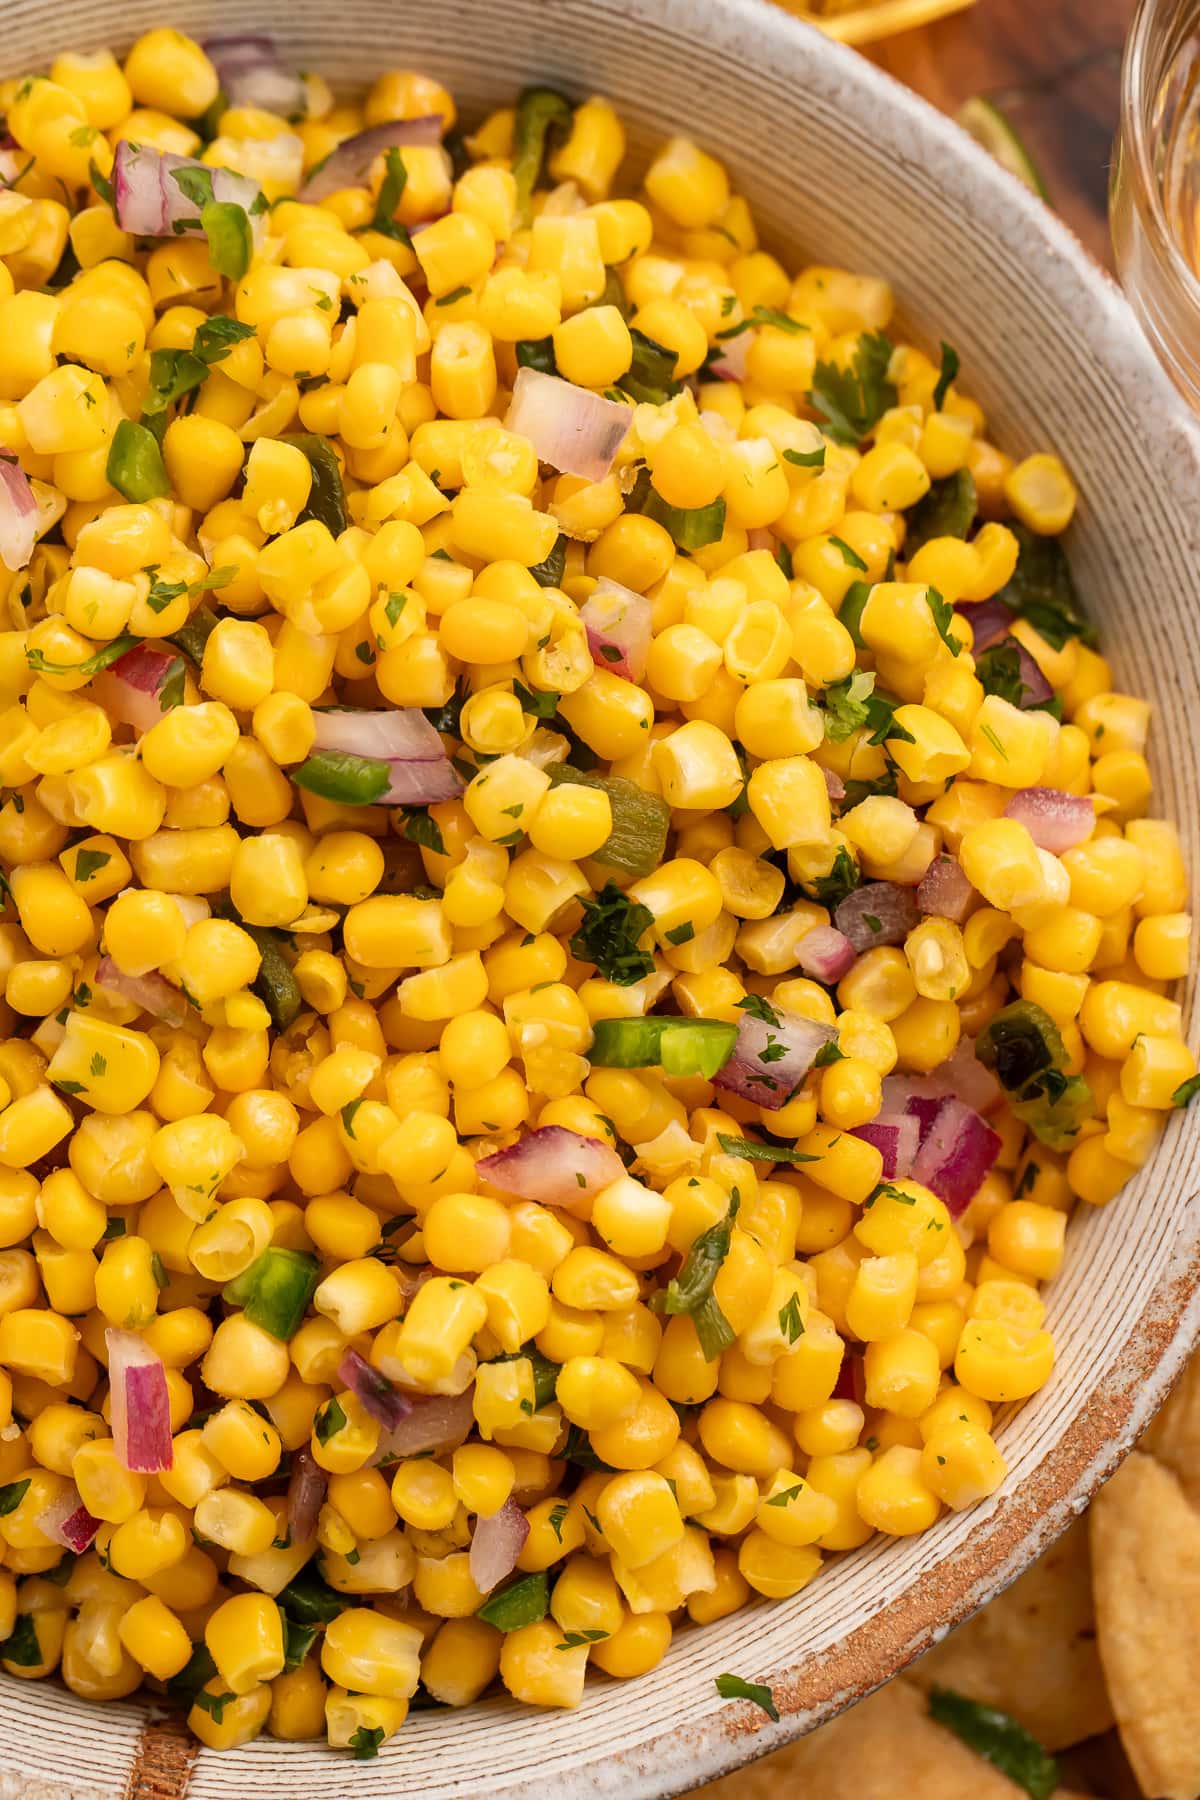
column 764, row 315
column 852, row 401
column 419, row 828
column 943, row 616
column 213, row 1704
column 790, row 1322
column 218, row 336
column 12, row 1496
column 366, row 1741
column 753, row 1151
column 538, row 704
column 608, row 936
column 330, row 1420
column 946, row 374
column 1043, row 590
column 850, row 557
column 392, row 186
column 846, row 705
column 21, row 1646
column 758, row 1008
column 691, row 1291
column 842, row 879
column 89, row 863
column 735, row 1687
column 806, row 459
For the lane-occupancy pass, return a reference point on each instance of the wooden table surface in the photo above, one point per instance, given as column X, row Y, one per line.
column 1053, row 69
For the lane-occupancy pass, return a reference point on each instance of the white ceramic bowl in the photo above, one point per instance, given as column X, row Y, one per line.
column 841, row 165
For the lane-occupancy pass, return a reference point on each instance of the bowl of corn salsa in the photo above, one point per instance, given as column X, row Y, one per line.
column 594, row 1056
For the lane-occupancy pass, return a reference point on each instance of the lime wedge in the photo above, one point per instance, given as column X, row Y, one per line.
column 989, row 127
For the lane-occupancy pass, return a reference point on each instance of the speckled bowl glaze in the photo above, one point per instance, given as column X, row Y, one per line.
column 842, row 165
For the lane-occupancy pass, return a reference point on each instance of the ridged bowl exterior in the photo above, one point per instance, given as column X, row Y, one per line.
column 842, row 165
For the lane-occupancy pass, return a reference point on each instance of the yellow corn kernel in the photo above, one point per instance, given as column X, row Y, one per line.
column 372, row 1654
column 242, row 1717
column 245, row 1639
column 1001, row 1362
column 790, row 800
column 535, row 1667
column 792, row 1513
column 1042, row 494
column 892, row 1495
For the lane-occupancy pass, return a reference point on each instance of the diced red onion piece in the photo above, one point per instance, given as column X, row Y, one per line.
column 895, row 1136
column 421, row 772
column 730, row 365
column 307, row 1485
column 851, row 1383
column 571, row 429
column 128, row 689
column 553, row 1166
column 944, row 890
column 252, row 73
column 617, row 622
column 411, row 1277
column 153, row 993
column 144, row 667
column 974, row 1084
column 835, row 786
column 924, row 1111
column 349, row 165
column 962, row 1074
column 442, row 1422
column 496, row 1544
column 1036, row 687
column 825, row 954
column 956, row 1154
column 151, row 203
column 898, row 1090
column 68, row 1521
column 378, row 1396
column 78, row 1529
column 137, row 177
column 400, row 734
column 18, row 515
column 757, row 1072
column 141, row 1408
column 879, row 913
column 422, row 783
column 988, row 619
column 1054, row 820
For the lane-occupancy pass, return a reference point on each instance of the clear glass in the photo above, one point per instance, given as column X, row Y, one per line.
column 1154, row 196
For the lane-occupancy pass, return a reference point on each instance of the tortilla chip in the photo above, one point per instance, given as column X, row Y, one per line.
column 1174, row 1436
column 1032, row 1651
column 885, row 1747
column 1101, row 1767
column 1146, row 1569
